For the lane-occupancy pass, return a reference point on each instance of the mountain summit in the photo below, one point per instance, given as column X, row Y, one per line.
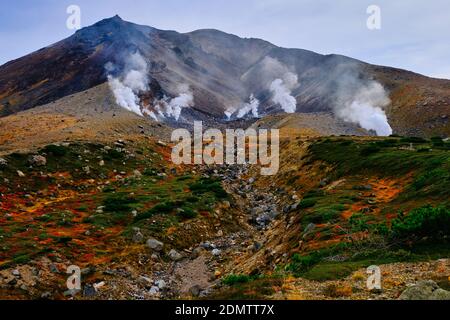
column 223, row 73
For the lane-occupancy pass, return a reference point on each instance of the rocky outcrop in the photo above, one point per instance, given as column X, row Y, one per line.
column 425, row 290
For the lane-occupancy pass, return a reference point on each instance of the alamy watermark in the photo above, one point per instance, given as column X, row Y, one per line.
column 374, row 279
column 237, row 146
column 374, row 20
column 73, row 22
column 74, row 280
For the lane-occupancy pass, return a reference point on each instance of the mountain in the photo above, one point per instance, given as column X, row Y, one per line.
column 222, row 71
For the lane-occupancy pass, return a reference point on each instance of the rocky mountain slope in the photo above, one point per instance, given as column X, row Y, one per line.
column 221, row 70
column 140, row 227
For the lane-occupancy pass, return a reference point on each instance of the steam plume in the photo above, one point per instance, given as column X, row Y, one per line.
column 173, row 107
column 252, row 107
column 281, row 92
column 249, row 107
column 362, row 101
column 130, row 82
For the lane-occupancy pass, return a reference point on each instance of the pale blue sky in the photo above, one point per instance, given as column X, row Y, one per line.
column 415, row 34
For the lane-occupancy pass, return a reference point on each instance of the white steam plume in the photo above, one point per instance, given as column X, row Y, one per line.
column 252, row 107
column 173, row 107
column 281, row 92
column 249, row 107
column 360, row 101
column 130, row 83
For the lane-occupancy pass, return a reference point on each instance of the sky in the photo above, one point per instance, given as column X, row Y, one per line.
column 414, row 34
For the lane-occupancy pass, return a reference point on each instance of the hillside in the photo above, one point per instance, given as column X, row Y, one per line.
column 130, row 219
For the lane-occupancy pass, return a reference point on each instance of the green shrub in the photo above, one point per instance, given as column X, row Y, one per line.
column 368, row 150
column 358, row 222
column 161, row 208
column 187, row 213
column 233, row 279
column 307, row 203
column 300, row 263
column 118, row 203
column 57, row 151
column 314, row 193
column 206, row 185
column 413, row 140
column 21, row 259
column 113, row 154
column 431, row 177
column 423, row 222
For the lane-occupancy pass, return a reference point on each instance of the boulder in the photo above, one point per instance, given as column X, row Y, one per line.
column 138, row 237
column 195, row 290
column 155, row 244
column 174, row 255
column 37, row 160
column 425, row 290
column 161, row 284
column 3, row 162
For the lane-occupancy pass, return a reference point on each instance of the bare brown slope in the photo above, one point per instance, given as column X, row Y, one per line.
column 90, row 115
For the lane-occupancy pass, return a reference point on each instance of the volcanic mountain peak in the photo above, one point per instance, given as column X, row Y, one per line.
column 223, row 72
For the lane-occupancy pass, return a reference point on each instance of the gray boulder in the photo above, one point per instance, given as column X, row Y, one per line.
column 174, row 255
column 155, row 244
column 37, row 160
column 425, row 290
column 3, row 162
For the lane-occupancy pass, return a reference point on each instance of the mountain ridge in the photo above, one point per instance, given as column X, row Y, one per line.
column 222, row 70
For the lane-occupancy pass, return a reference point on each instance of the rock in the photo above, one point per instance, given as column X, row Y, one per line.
column 155, row 244
column 440, row 294
column 263, row 219
column 154, row 256
column 101, row 163
column 3, row 162
column 87, row 271
column 46, row 295
column 195, row 290
column 20, row 174
column 145, row 281
column 99, row 285
column 153, row 290
column 16, row 273
column 89, row 291
column 161, row 284
column 425, row 290
column 324, row 182
column 37, row 160
column 216, row 252
column 256, row 246
column 138, row 237
column 206, row 245
column 197, row 252
column 175, row 255
column 54, row 268
column 137, row 174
